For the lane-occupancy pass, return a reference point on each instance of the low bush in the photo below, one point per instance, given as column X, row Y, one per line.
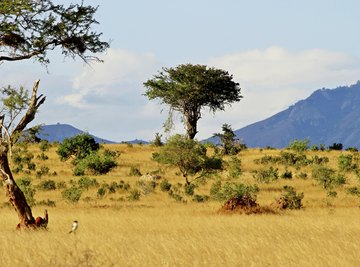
column 72, row 194
column 165, row 186
column 86, row 182
column 135, row 171
column 47, row 185
column 289, row 199
column 266, row 175
column 48, row 202
column 328, row 178
column 134, row 195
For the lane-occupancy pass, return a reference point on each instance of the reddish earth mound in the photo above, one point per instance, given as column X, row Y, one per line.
column 244, row 205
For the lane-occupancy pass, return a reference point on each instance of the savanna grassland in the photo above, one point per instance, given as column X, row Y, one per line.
column 115, row 229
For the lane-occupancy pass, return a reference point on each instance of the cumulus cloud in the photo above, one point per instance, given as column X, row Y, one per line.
column 121, row 74
column 275, row 78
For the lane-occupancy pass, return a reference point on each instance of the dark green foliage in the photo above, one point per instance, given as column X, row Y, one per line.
column 286, row 175
column 86, row 182
column 189, row 157
column 190, row 88
column 43, row 26
column 234, row 168
column 44, row 145
column 72, row 194
column 25, row 185
column 135, row 171
column 302, row 175
column 94, row 164
column 79, row 147
column 101, row 192
column 157, row 141
column 47, row 185
column 336, row 146
column 266, row 175
column 299, row 145
column 44, row 170
column 123, row 186
column 200, row 198
column 233, row 190
column 327, row 177
column 290, row 199
column 42, row 156
column 345, row 163
column 165, row 186
column 319, row 160
column 134, row 195
column 231, row 145
column 354, row 191
column 352, row 149
column 189, row 189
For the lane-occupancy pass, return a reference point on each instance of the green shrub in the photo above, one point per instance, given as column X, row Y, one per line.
column 101, row 192
column 47, row 185
column 200, row 198
column 42, row 156
column 302, row 175
column 291, row 199
column 345, row 163
column 327, row 177
column 189, row 189
column 72, row 194
column 134, row 195
column 336, row 146
column 266, row 175
column 299, row 145
column 44, row 170
column 354, row 191
column 286, row 175
column 134, row 171
column 124, row 186
column 234, row 168
column 44, row 145
column 95, row 164
column 229, row 190
column 61, row 185
column 86, row 182
column 165, row 186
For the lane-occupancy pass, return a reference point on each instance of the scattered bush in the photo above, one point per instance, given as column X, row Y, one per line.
column 289, row 199
column 200, row 198
column 286, row 175
column 354, row 191
column 44, row 170
column 266, row 175
column 101, row 192
column 86, row 182
column 327, row 177
column 61, row 185
column 47, row 185
column 72, row 194
column 165, row 186
column 95, row 164
column 345, row 163
column 336, row 146
column 234, row 168
column 135, row 171
column 189, row 189
column 134, row 195
column 299, row 145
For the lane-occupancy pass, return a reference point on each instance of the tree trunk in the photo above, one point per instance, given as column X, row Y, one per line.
column 191, row 127
column 13, row 193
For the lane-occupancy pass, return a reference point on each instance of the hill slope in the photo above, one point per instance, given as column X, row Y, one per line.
column 327, row 116
column 58, row 132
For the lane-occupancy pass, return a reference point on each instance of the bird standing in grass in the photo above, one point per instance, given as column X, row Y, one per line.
column 74, row 227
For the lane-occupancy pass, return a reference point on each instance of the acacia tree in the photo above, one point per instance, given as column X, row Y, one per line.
column 189, row 157
column 29, row 29
column 189, row 88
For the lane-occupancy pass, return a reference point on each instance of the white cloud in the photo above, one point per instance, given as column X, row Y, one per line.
column 122, row 72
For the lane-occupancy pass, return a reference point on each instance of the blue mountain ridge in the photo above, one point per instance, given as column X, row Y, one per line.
column 326, row 117
column 58, row 132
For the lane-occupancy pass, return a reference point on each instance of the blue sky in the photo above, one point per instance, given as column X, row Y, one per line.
column 280, row 51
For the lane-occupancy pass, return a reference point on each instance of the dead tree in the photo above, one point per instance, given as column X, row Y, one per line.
column 8, row 137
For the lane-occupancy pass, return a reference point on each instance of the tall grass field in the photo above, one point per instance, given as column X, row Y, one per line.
column 142, row 225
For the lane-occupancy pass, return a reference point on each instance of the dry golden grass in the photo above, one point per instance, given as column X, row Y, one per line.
column 157, row 231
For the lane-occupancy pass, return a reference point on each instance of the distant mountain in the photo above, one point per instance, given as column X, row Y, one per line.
column 58, row 132
column 327, row 116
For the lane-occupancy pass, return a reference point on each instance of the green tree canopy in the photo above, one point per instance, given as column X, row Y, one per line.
column 30, row 28
column 189, row 88
column 79, row 147
column 189, row 156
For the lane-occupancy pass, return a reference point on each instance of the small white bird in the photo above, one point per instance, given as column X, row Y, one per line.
column 74, row 227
